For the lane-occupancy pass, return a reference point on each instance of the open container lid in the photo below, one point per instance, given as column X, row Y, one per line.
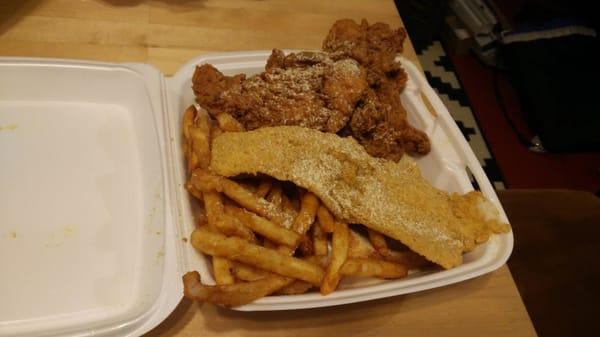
column 93, row 210
column 84, row 202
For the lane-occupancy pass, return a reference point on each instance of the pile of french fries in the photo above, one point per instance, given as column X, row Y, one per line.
column 265, row 239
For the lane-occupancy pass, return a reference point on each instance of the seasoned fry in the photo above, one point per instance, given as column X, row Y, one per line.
column 374, row 268
column 204, row 181
column 187, row 122
column 237, row 249
column 193, row 191
column 295, row 288
column 378, row 241
column 308, row 210
column 319, row 260
column 232, row 295
column 228, row 123
column 409, row 258
column 365, row 267
column 222, row 270
column 264, row 227
column 213, row 206
column 248, row 273
column 325, row 219
column 339, row 253
column 289, row 205
column 199, row 134
column 263, row 188
column 319, row 240
column 275, row 195
column 301, row 225
column 360, row 247
column 306, row 246
column 232, row 226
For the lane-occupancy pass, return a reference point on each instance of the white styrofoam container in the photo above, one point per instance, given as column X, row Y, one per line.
column 93, row 211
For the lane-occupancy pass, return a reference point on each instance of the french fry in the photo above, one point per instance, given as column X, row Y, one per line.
column 187, row 122
column 213, row 206
column 301, row 225
column 306, row 246
column 373, row 268
column 227, row 123
column 248, row 273
column 295, row 288
column 288, row 208
column 264, row 227
column 204, row 181
column 275, row 195
column 199, row 135
column 216, row 244
column 193, row 191
column 339, row 254
column 263, row 188
column 360, row 247
column 288, row 205
column 232, row 226
column 319, row 239
column 409, row 258
column 222, row 270
column 232, row 295
column 326, row 219
column 309, row 205
column 365, row 267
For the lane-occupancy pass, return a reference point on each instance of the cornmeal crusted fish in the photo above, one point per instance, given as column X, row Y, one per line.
column 388, row 197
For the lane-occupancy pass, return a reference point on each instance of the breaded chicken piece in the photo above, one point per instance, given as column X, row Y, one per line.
column 374, row 46
column 352, row 89
column 379, row 121
column 306, row 89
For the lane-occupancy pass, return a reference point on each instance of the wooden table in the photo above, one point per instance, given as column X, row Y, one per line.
column 166, row 34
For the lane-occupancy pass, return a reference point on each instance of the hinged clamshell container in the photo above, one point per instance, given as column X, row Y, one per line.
column 94, row 217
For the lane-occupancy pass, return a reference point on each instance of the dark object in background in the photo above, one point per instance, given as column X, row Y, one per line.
column 455, row 37
column 557, row 81
column 555, row 258
column 422, row 19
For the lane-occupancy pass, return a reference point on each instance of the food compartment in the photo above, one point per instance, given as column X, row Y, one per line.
column 444, row 167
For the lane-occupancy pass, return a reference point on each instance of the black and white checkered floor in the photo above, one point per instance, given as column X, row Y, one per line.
column 441, row 76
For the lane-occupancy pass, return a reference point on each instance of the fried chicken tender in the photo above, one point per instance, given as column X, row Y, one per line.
column 353, row 89
column 307, row 89
column 374, row 46
column 379, row 121
column 208, row 83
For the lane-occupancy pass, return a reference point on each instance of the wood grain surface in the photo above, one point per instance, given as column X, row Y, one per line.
column 168, row 33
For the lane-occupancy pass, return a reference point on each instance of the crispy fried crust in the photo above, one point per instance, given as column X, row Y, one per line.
column 353, row 88
column 389, row 197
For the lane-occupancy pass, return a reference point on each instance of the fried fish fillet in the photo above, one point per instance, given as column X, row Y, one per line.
column 389, row 197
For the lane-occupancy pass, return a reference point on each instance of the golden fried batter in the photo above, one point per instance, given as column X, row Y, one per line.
column 391, row 198
column 353, row 88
